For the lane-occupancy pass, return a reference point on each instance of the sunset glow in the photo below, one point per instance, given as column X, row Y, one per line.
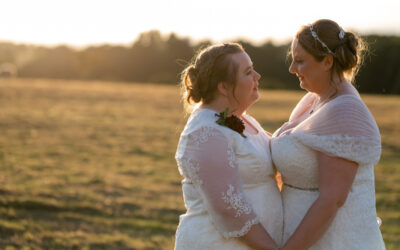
column 81, row 23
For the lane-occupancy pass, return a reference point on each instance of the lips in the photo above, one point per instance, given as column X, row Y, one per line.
column 256, row 87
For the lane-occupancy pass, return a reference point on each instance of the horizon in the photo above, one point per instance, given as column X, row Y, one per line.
column 83, row 24
column 166, row 35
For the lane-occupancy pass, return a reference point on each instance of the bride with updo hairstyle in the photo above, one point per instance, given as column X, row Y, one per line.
column 211, row 66
column 327, row 150
column 229, row 187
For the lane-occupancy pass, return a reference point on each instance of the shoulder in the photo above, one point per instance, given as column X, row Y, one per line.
column 200, row 118
column 347, row 95
column 346, row 105
column 347, row 98
column 252, row 120
column 255, row 123
column 204, row 122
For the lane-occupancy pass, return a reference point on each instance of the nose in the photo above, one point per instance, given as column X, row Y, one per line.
column 292, row 69
column 257, row 76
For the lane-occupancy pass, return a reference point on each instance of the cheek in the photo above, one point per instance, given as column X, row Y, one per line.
column 242, row 90
column 308, row 72
column 303, row 69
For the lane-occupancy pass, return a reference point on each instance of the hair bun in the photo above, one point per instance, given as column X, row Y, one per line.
column 212, row 65
column 352, row 42
column 192, row 72
column 193, row 90
column 329, row 38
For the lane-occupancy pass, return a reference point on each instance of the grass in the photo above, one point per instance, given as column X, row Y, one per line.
column 90, row 165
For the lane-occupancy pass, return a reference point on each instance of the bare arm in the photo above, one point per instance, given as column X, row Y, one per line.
column 336, row 176
column 258, row 238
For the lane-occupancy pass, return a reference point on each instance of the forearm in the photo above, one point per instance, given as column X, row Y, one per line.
column 313, row 226
column 258, row 238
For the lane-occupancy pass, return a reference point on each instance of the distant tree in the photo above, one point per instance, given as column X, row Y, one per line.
column 59, row 62
column 381, row 70
column 153, row 57
column 8, row 70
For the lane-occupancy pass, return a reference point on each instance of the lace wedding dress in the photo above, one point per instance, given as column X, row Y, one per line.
column 228, row 184
column 343, row 127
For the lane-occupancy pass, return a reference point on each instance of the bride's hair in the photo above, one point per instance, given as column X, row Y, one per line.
column 210, row 66
column 325, row 37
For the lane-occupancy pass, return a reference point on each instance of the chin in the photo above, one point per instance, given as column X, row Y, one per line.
column 256, row 97
column 257, row 93
column 303, row 86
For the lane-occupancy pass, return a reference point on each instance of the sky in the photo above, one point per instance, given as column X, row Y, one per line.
column 88, row 22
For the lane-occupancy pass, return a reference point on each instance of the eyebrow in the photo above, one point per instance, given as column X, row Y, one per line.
column 249, row 67
column 296, row 56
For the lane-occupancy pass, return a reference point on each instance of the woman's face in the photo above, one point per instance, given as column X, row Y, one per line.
column 312, row 74
column 246, row 90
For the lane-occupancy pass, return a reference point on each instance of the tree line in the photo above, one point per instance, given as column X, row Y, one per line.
column 158, row 59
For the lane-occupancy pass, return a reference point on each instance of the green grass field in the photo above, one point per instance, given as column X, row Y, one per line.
column 90, row 165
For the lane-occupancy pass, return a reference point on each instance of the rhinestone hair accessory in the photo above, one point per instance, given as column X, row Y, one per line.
column 314, row 34
column 341, row 34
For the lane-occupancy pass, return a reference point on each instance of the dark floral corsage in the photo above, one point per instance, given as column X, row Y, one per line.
column 233, row 122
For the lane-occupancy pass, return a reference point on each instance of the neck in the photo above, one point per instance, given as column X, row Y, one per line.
column 220, row 105
column 327, row 91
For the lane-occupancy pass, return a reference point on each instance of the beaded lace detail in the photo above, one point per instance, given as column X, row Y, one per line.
column 190, row 170
column 203, row 134
column 231, row 157
column 236, row 202
column 245, row 229
column 206, row 158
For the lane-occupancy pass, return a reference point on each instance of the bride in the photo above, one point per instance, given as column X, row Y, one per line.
column 327, row 151
column 229, row 189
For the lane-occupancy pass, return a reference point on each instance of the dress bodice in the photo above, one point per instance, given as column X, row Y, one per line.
column 254, row 159
column 296, row 163
column 228, row 184
column 342, row 128
column 251, row 154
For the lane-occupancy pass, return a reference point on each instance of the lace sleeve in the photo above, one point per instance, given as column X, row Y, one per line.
column 209, row 162
column 344, row 128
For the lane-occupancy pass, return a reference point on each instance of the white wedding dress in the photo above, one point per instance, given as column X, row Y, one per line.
column 228, row 184
column 344, row 128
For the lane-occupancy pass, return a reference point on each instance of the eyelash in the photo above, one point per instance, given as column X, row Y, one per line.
column 249, row 72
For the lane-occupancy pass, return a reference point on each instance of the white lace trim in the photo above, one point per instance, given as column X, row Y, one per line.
column 236, row 201
column 231, row 157
column 203, row 135
column 358, row 149
column 190, row 170
column 244, row 230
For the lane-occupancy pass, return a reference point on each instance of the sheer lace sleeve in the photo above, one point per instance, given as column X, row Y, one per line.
column 345, row 128
column 208, row 161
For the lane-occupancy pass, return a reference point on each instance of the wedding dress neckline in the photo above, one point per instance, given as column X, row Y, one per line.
column 244, row 118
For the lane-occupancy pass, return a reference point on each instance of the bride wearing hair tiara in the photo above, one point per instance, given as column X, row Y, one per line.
column 327, row 150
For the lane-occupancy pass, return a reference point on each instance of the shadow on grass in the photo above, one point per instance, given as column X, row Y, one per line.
column 35, row 205
column 140, row 152
column 167, row 215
